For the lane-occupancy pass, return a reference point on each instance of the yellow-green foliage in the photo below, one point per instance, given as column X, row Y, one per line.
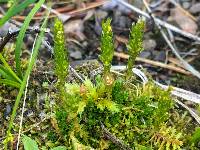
column 60, row 52
column 107, row 45
column 135, row 44
column 167, row 138
column 129, row 116
column 139, row 116
column 60, row 56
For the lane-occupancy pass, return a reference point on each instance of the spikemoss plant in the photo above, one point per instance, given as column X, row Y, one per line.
column 127, row 116
column 135, row 44
column 60, row 54
column 107, row 45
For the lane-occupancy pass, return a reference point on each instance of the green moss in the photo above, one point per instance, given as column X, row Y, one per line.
column 139, row 116
column 133, row 123
column 119, row 96
column 52, row 136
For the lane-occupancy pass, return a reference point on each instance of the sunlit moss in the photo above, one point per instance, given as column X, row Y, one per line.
column 137, row 116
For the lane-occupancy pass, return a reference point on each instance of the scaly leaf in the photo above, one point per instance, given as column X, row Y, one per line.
column 135, row 44
column 107, row 45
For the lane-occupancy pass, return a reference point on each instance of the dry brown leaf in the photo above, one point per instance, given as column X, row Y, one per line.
column 185, row 22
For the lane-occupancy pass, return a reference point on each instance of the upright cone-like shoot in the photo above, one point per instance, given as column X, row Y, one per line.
column 60, row 56
column 107, row 46
column 135, row 44
column 60, row 52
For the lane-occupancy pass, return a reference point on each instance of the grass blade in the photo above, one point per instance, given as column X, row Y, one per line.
column 20, row 37
column 6, row 74
column 14, row 9
column 23, row 85
column 10, row 83
column 29, row 144
column 9, row 68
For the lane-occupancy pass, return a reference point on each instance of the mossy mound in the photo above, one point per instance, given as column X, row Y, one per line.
column 123, row 115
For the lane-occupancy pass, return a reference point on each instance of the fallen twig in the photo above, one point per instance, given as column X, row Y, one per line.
column 154, row 63
column 114, row 139
column 12, row 34
column 63, row 16
column 185, row 64
column 194, row 115
column 160, row 22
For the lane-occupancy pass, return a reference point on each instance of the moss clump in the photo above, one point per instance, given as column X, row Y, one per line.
column 135, row 123
column 109, row 114
column 52, row 136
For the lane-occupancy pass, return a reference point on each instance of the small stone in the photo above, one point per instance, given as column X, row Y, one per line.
column 195, row 8
column 145, row 54
column 42, row 115
column 159, row 56
column 186, row 5
column 76, row 55
column 28, row 113
column 7, row 27
column 7, row 111
column 149, row 44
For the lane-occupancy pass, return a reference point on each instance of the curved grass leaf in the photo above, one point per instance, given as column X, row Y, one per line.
column 29, row 144
column 6, row 74
column 27, row 73
column 15, row 9
column 10, row 83
column 59, row 148
column 9, row 69
column 20, row 37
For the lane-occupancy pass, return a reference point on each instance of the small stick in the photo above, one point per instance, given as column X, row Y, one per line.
column 160, row 22
column 155, row 63
column 114, row 139
column 12, row 34
column 194, row 115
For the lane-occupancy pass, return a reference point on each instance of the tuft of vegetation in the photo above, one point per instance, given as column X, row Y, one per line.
column 117, row 116
column 104, row 111
column 107, row 45
column 135, row 44
column 24, row 81
column 60, row 55
column 167, row 138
